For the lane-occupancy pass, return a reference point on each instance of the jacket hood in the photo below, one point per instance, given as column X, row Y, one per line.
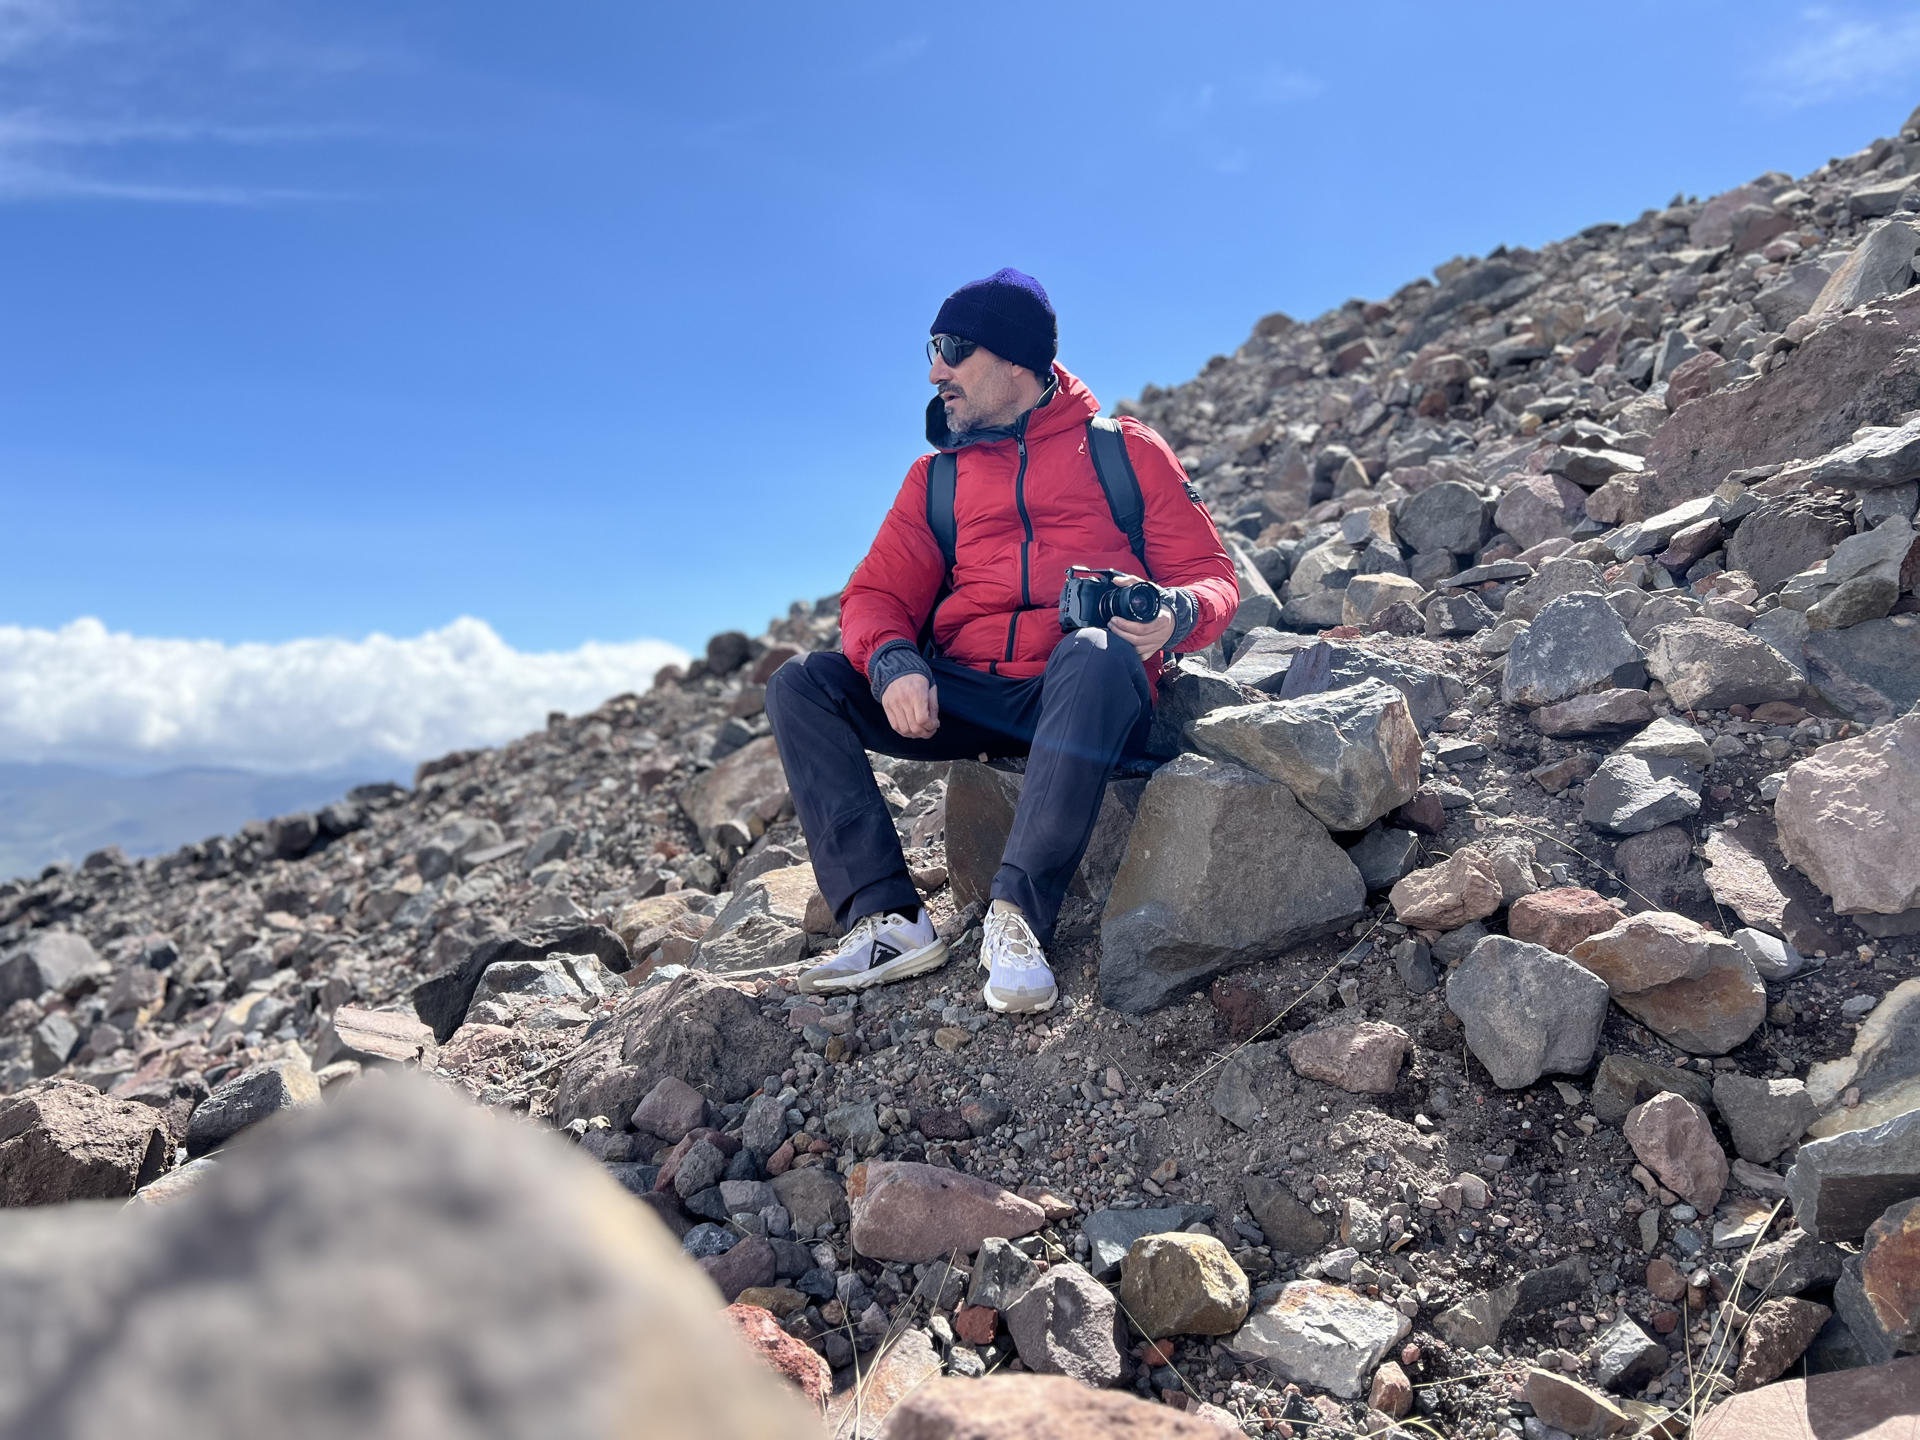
column 1067, row 404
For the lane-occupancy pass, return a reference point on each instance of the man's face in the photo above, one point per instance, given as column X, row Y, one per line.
column 982, row 391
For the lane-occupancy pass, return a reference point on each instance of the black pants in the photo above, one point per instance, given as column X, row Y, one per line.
column 1092, row 706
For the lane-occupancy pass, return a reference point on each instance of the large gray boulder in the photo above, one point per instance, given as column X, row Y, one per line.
column 1869, row 672
column 1880, row 265
column 1527, row 1011
column 1576, row 643
column 1223, row 868
column 1857, row 370
column 52, row 960
column 1448, row 516
column 1327, row 666
column 1709, row 665
column 1349, row 755
column 1839, row 1186
column 61, row 1140
column 1321, row 1335
column 1631, row 794
column 390, row 1263
column 1849, row 819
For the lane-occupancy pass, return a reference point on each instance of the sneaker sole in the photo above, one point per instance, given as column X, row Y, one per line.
column 1018, row 1005
column 901, row 967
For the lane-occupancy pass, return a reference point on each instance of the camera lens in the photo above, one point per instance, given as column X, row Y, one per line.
column 1137, row 602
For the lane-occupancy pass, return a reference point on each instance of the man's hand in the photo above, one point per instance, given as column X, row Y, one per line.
column 1148, row 639
column 912, row 704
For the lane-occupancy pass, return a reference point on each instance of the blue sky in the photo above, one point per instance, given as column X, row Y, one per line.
column 602, row 321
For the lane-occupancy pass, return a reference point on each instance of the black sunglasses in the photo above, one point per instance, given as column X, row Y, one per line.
column 950, row 348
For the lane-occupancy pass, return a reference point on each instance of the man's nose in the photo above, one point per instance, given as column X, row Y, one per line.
column 939, row 371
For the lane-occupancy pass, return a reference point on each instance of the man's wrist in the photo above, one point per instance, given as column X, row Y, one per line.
column 891, row 661
column 1185, row 610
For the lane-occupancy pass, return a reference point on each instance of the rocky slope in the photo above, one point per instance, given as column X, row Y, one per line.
column 1527, row 1038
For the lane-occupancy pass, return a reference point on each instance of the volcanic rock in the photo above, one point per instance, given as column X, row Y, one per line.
column 1672, row 1137
column 1349, row 755
column 912, row 1212
column 1527, row 1011
column 1849, row 818
column 1182, row 1285
column 1193, row 898
column 1321, row 1335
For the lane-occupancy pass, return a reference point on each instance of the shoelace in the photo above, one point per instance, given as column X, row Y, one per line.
column 1011, row 940
column 864, row 930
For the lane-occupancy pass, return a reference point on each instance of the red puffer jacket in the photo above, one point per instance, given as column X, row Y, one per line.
column 1025, row 508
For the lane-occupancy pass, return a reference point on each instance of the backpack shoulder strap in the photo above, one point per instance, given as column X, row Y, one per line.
column 1107, row 444
column 942, row 474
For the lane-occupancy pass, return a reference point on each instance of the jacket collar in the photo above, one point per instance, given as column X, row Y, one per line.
column 1065, row 403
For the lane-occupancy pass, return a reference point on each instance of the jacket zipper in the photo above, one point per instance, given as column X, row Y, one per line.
column 1026, row 523
column 1013, row 624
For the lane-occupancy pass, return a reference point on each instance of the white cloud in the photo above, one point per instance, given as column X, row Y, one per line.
column 1839, row 54
column 93, row 90
column 85, row 694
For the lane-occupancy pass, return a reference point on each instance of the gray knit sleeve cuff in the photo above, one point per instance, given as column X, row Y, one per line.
column 894, row 659
column 1186, row 615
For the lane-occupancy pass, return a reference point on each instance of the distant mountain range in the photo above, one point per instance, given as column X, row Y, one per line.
column 65, row 812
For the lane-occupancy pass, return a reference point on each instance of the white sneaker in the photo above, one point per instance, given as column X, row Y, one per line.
column 879, row 949
column 1018, row 980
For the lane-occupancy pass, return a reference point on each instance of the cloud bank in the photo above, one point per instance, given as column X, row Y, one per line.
column 88, row 695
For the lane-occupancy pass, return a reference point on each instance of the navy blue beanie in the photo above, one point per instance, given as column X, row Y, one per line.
column 1009, row 314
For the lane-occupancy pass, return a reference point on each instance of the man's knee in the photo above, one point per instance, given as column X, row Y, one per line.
column 1110, row 662
column 1099, row 649
column 806, row 679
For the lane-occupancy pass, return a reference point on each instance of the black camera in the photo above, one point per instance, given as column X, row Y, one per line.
column 1089, row 597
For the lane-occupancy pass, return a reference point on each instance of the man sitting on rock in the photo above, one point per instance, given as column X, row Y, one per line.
column 968, row 659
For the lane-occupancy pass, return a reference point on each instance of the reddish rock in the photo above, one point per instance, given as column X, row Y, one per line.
column 1671, row 1136
column 1649, row 949
column 1036, row 1407
column 1849, row 818
column 1363, row 1059
column 1448, row 895
column 1424, row 812
column 1243, row 1008
column 61, row 1140
column 1392, row 1392
column 1890, row 1273
column 670, row 1110
column 915, row 1213
column 1561, row 918
column 1665, row 1281
column 976, row 1324
column 1871, row 1402
column 1778, row 1334
column 796, row 1362
column 1689, row 985
column 1575, row 1408
column 781, row 1160
column 670, row 1167
column 1595, row 714
column 774, row 657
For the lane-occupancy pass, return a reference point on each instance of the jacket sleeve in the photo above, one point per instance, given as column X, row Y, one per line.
column 1183, row 547
column 893, row 589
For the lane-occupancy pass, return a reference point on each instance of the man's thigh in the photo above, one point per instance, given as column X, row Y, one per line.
column 961, row 735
